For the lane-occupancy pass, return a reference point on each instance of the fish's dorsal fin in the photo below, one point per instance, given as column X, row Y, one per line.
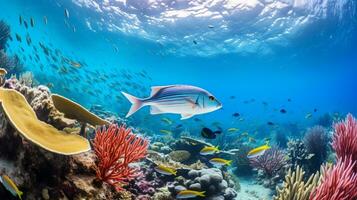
column 155, row 89
column 186, row 116
column 154, row 110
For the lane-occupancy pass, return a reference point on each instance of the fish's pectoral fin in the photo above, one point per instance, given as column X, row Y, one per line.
column 155, row 110
column 186, row 116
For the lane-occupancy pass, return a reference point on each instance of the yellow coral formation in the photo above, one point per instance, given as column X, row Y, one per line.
column 73, row 110
column 295, row 188
column 24, row 120
column 3, row 72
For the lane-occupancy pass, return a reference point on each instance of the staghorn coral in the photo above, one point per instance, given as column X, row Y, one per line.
column 116, row 148
column 316, row 142
column 4, row 34
column 338, row 182
column 24, row 120
column 344, row 139
column 271, row 162
column 297, row 154
column 294, row 187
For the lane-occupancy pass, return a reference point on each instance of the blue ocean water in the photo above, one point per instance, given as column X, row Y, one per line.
column 254, row 62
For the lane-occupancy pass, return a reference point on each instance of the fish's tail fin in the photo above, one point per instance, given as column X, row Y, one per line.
column 20, row 195
column 229, row 162
column 201, row 194
column 136, row 103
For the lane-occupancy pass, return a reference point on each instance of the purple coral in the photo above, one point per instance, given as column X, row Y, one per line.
column 271, row 162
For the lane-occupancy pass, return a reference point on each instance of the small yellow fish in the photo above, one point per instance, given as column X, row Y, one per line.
column 10, row 186
column 168, row 121
column 208, row 150
column 165, row 131
column 232, row 130
column 165, row 170
column 3, row 72
column 184, row 194
column 258, row 151
column 308, row 116
column 220, row 161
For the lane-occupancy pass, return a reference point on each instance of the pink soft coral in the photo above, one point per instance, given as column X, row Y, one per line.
column 115, row 148
column 338, row 182
column 345, row 139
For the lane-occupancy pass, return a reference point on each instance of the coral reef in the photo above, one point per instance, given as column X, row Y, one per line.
column 180, row 155
column 297, row 154
column 344, row 139
column 40, row 100
column 215, row 184
column 116, row 148
column 316, row 142
column 242, row 162
column 24, row 120
column 294, row 187
column 270, row 166
column 338, row 182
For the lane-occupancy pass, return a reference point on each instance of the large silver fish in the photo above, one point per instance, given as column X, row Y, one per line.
column 185, row 100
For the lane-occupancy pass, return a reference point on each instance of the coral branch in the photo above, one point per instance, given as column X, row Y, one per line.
column 345, row 139
column 271, row 162
column 115, row 148
column 338, row 182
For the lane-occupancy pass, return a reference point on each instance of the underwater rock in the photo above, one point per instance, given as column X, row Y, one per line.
column 210, row 180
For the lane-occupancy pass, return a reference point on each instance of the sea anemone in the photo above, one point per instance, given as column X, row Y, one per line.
column 116, row 148
column 316, row 142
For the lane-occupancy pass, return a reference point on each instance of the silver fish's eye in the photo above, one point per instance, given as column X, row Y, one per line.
column 211, row 98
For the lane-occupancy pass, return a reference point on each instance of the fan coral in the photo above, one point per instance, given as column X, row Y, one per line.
column 4, row 34
column 116, row 148
column 316, row 142
column 271, row 162
column 294, row 186
column 344, row 139
column 337, row 183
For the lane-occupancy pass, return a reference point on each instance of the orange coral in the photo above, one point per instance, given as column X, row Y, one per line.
column 115, row 148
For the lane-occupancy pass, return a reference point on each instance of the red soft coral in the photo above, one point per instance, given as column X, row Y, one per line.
column 345, row 139
column 115, row 148
column 338, row 182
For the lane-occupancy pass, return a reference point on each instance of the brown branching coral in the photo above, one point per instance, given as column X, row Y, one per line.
column 295, row 188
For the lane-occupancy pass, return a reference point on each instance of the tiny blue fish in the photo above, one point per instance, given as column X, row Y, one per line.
column 185, row 100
